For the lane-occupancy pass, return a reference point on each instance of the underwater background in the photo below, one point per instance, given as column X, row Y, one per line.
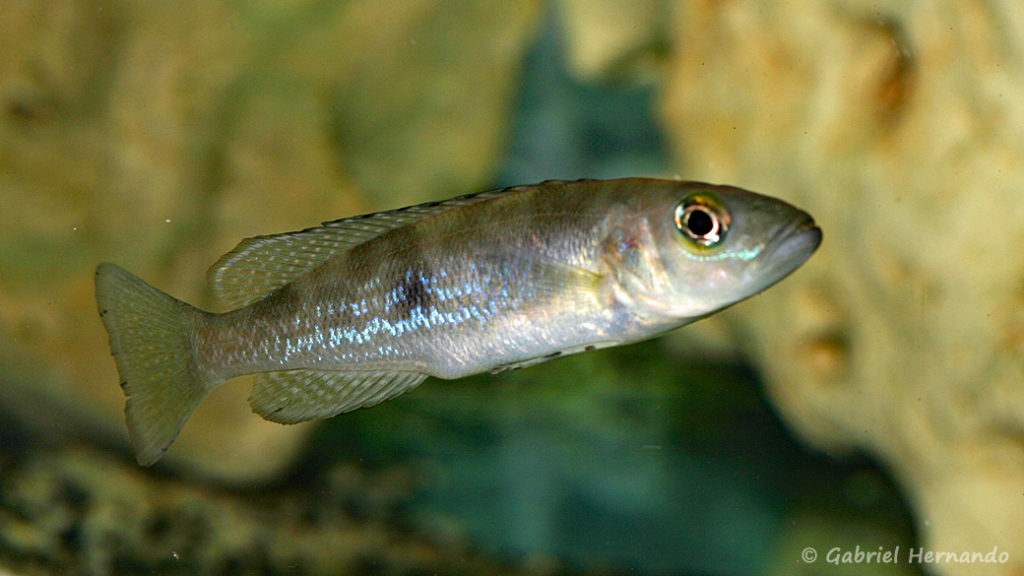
column 870, row 403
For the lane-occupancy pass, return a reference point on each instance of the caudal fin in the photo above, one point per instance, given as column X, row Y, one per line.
column 152, row 339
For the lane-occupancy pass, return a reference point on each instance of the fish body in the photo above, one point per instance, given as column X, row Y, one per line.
column 360, row 310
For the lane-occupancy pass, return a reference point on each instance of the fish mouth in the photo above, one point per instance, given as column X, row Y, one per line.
column 799, row 240
column 791, row 247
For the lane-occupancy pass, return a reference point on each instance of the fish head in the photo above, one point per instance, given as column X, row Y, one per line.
column 718, row 245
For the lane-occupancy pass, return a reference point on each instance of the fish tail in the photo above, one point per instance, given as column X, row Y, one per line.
column 152, row 337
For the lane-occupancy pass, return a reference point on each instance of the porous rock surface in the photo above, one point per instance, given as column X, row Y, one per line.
column 900, row 127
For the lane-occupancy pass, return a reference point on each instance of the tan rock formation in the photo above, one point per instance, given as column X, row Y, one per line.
column 899, row 126
column 160, row 134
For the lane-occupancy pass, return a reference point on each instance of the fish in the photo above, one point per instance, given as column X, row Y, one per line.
column 360, row 310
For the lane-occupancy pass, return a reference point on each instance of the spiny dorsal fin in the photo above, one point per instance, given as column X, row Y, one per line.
column 293, row 396
column 262, row 264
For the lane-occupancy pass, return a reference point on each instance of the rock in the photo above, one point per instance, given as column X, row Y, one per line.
column 158, row 135
column 612, row 38
column 75, row 511
column 897, row 125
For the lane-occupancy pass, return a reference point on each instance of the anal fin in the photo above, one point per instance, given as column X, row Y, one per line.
column 293, row 396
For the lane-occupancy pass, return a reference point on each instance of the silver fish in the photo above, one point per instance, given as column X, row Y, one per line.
column 360, row 310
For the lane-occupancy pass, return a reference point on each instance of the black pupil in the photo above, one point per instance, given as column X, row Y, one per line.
column 700, row 223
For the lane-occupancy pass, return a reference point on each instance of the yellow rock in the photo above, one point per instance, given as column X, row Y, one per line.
column 612, row 38
column 898, row 126
column 159, row 134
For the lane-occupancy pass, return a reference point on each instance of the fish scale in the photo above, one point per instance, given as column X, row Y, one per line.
column 359, row 310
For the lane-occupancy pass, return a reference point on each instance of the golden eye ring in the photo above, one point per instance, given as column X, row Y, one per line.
column 702, row 219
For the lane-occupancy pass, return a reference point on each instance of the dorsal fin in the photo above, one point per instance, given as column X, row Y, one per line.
column 262, row 264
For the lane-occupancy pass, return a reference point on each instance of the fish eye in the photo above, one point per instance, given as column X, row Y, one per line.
column 702, row 219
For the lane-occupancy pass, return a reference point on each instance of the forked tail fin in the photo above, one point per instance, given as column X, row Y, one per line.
column 152, row 339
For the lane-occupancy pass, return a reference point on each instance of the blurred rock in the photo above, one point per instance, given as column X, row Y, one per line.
column 613, row 38
column 898, row 126
column 75, row 512
column 159, row 134
column 424, row 92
